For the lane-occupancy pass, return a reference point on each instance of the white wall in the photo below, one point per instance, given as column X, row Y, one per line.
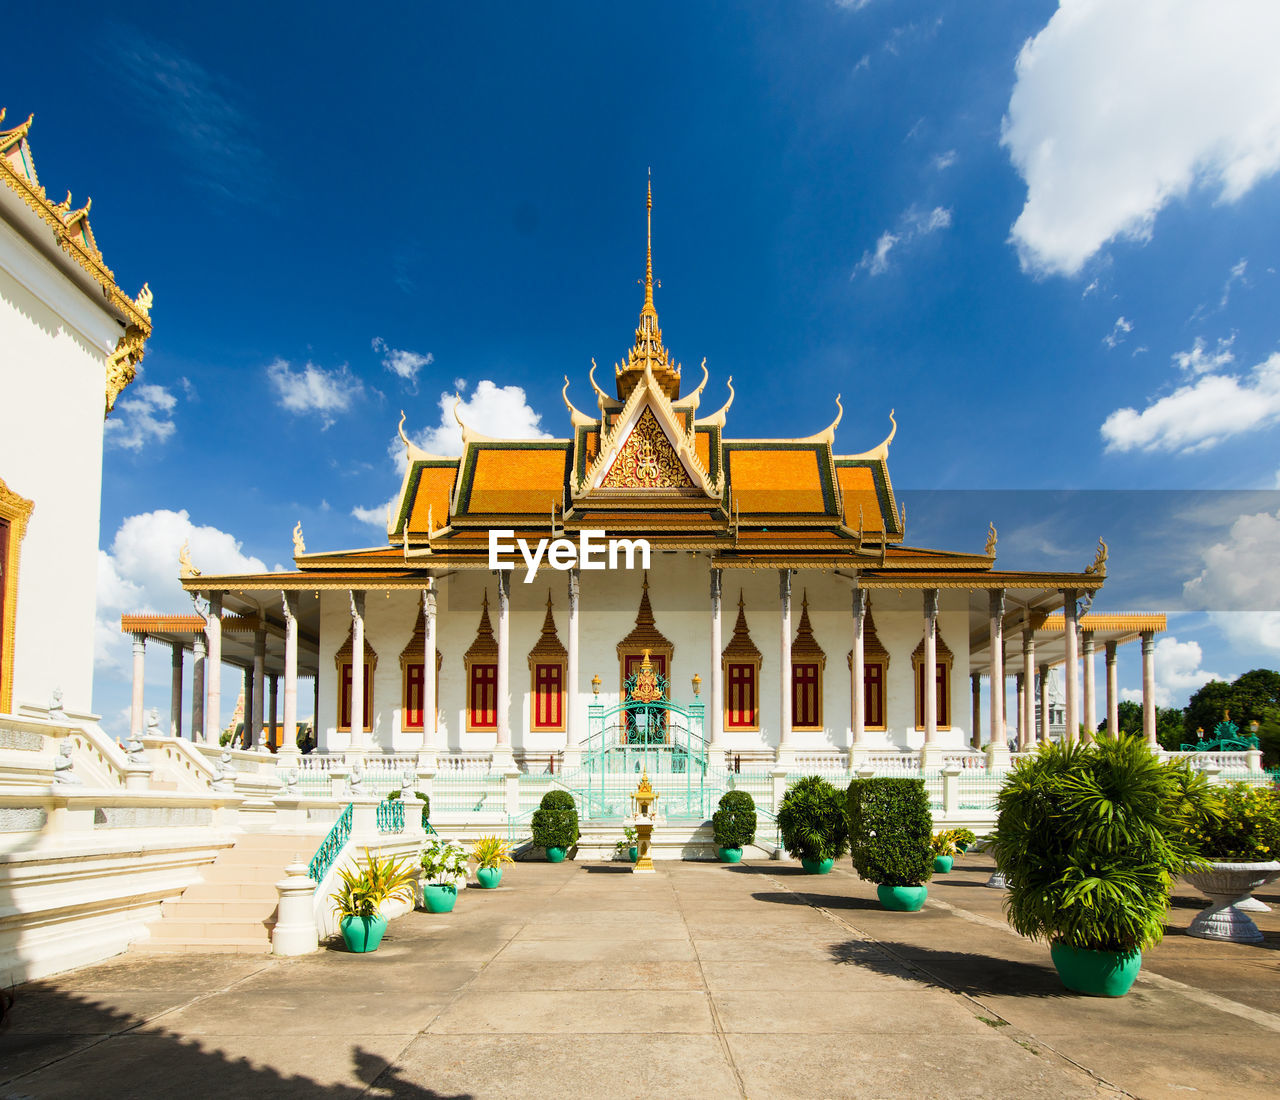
column 55, row 339
column 679, row 593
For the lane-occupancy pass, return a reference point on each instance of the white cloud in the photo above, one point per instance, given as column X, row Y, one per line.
column 401, row 362
column 851, row 5
column 1240, row 583
column 945, row 160
column 140, row 573
column 1120, row 106
column 1118, row 332
column 1201, row 414
column 501, row 411
column 314, row 389
column 141, row 418
column 1177, row 672
column 912, row 224
column 1235, row 276
column 1197, row 361
column 377, row 515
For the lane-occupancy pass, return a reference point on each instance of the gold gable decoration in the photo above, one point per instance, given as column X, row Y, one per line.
column 647, row 460
column 548, row 648
column 805, row 648
column 485, row 648
column 741, row 647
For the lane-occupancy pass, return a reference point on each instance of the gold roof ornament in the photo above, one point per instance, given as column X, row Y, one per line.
column 991, row 541
column 648, row 353
column 185, row 568
column 1099, row 565
column 299, row 547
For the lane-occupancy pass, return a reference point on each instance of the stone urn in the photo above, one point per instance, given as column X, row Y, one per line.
column 1226, row 883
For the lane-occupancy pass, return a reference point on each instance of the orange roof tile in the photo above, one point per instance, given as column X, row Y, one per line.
column 776, row 480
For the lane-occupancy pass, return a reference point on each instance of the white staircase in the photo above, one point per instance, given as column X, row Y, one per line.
column 233, row 908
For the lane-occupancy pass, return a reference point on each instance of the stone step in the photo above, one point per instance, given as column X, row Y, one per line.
column 196, row 909
column 231, row 891
column 187, row 931
column 202, row 946
column 236, row 874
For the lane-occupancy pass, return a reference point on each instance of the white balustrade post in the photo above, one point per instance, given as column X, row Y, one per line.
column 950, row 790
column 295, row 929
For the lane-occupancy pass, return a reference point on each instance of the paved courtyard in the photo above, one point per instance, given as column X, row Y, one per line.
column 583, row 980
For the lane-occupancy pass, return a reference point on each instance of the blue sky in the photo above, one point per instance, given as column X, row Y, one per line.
column 1047, row 238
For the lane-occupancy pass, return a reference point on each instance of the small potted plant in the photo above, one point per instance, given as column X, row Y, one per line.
column 628, row 847
column 965, row 839
column 889, row 831
column 1089, row 838
column 357, row 903
column 944, row 848
column 490, row 853
column 444, row 863
column 1240, row 844
column 811, row 819
column 555, row 824
column 734, row 824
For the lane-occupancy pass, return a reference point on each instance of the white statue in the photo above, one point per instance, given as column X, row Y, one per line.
column 63, row 765
column 136, row 750
column 224, row 775
column 56, row 713
column 355, row 782
column 291, row 782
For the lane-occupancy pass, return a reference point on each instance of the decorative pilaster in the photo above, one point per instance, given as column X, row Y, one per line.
column 139, row 675
column 197, row 688
column 175, row 692
column 1071, row 666
column 502, row 761
column 1149, row 688
column 572, row 757
column 213, row 670
column 785, row 748
column 1113, row 693
column 716, row 745
column 858, row 670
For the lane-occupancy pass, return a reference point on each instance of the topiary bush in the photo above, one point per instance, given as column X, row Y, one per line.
column 811, row 818
column 555, row 821
column 734, row 823
column 890, row 831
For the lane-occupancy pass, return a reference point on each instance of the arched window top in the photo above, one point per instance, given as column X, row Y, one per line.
column 741, row 648
column 343, row 656
column 943, row 653
column 805, row 648
column 484, row 649
column 548, row 649
column 873, row 650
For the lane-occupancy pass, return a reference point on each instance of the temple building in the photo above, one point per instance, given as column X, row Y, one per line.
column 781, row 606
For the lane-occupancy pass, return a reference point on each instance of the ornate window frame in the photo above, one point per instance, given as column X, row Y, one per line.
column 483, row 654
column 807, row 654
column 16, row 511
column 644, row 637
column 410, row 658
column 342, row 661
column 741, row 654
column 944, row 661
column 548, row 653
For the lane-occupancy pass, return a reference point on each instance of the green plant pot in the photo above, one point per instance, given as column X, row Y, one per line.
column 488, row 877
column 1095, row 973
column 964, row 848
column 633, row 853
column 555, row 855
column 817, row 866
column 362, row 934
column 902, row 899
column 439, row 899
column 730, row 855
column 942, row 864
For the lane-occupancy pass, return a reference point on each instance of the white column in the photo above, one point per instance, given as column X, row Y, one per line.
column 975, row 681
column 356, row 743
column 931, row 757
column 175, row 692
column 785, row 748
column 197, row 687
column 502, row 760
column 273, row 699
column 572, row 757
column 289, row 725
column 1020, row 694
column 430, row 708
column 1149, row 687
column 1113, row 692
column 1071, row 667
column 1044, row 703
column 1090, row 696
column 1027, row 727
column 995, row 610
column 213, row 670
column 858, row 670
column 715, row 669
column 139, row 673
column 246, row 690
column 259, row 684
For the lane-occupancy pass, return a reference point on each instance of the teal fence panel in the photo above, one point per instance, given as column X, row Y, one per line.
column 332, row 844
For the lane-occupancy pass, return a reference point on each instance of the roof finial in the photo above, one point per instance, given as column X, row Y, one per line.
column 648, row 251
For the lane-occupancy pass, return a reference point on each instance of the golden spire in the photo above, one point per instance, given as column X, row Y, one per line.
column 648, row 249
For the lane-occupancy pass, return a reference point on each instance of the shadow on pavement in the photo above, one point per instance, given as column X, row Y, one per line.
column 962, row 971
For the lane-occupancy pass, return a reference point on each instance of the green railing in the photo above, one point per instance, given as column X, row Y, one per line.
column 391, row 816
column 332, row 845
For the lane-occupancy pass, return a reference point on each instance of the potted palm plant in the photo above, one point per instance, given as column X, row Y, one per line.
column 944, row 848
column 734, row 824
column 965, row 839
column 357, row 903
column 444, row 863
column 490, row 853
column 1089, row 838
column 811, row 819
column 889, row 830
column 555, row 824
column 1240, row 845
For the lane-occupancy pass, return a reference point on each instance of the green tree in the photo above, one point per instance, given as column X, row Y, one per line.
column 1207, row 706
column 1130, row 716
column 1269, row 736
column 1170, row 730
column 1255, row 691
